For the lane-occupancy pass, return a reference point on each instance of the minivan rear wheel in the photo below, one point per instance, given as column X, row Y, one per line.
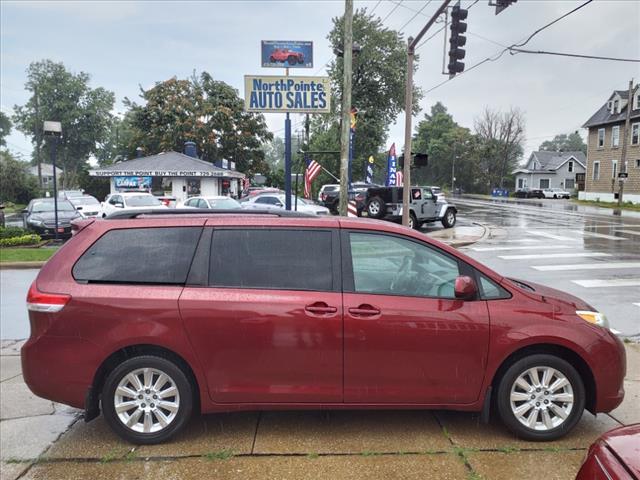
column 147, row 399
column 541, row 397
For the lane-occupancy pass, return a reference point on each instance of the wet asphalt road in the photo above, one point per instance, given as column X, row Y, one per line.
column 590, row 253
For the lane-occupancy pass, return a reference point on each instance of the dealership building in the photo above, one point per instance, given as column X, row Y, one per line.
column 182, row 174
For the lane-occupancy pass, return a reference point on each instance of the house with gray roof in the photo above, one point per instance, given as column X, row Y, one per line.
column 606, row 140
column 184, row 174
column 552, row 170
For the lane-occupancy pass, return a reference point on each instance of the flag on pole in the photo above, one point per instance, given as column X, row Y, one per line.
column 399, row 179
column 310, row 174
column 370, row 163
column 392, row 166
column 246, row 183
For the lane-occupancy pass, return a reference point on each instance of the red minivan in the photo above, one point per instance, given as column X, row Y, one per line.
column 151, row 316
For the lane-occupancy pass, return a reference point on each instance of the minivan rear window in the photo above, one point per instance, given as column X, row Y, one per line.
column 139, row 256
column 272, row 259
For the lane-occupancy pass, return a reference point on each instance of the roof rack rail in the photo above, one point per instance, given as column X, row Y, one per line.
column 200, row 211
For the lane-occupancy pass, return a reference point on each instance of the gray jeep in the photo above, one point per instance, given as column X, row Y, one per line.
column 385, row 203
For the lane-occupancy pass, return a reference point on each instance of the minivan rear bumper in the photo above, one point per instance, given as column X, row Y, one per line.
column 59, row 369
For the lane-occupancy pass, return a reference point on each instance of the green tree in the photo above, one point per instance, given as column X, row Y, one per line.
column 379, row 75
column 442, row 139
column 84, row 112
column 5, row 128
column 571, row 142
column 16, row 182
column 203, row 110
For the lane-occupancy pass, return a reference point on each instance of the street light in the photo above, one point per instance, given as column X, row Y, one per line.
column 54, row 130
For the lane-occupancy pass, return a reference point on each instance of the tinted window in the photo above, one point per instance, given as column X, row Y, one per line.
column 278, row 259
column 139, row 255
column 391, row 265
column 267, row 200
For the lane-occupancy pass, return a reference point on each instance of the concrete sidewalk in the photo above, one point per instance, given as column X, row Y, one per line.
column 42, row 440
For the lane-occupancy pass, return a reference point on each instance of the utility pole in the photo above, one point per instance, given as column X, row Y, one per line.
column 408, row 111
column 625, row 139
column 453, row 168
column 346, row 107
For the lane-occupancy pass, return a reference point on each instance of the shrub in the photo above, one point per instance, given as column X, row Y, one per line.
column 10, row 232
column 31, row 239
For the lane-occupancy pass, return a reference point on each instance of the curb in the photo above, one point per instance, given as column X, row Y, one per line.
column 21, row 265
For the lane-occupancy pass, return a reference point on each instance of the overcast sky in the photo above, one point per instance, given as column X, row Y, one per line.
column 126, row 44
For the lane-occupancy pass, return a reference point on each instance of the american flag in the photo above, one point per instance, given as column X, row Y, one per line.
column 310, row 174
column 399, row 178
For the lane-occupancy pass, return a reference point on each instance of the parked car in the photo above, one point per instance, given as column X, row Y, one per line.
column 277, row 201
column 116, row 202
column 67, row 194
column 528, row 193
column 39, row 217
column 286, row 55
column 613, row 456
column 329, row 196
column 151, row 317
column 252, row 191
column 555, row 193
column 213, row 203
column 386, row 203
column 168, row 200
column 87, row 205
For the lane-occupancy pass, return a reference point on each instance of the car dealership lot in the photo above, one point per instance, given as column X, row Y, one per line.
column 357, row 444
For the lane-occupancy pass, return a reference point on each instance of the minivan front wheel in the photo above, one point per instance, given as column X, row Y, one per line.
column 541, row 397
column 147, row 399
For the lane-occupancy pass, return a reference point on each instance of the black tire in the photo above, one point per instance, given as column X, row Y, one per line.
column 292, row 60
column 413, row 221
column 376, row 207
column 555, row 197
column 449, row 219
column 179, row 378
column 503, row 399
column 272, row 59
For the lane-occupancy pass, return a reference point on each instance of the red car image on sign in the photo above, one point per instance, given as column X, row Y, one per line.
column 286, row 55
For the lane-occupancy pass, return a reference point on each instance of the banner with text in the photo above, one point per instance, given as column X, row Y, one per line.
column 271, row 93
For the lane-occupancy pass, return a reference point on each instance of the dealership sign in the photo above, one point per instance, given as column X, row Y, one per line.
column 271, row 93
column 132, row 182
column 163, row 173
column 287, row 54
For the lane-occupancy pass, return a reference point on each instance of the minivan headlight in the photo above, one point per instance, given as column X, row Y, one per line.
column 595, row 318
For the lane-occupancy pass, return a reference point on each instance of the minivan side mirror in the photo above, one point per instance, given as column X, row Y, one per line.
column 465, row 288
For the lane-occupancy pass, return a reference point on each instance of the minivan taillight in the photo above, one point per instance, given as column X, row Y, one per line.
column 38, row 301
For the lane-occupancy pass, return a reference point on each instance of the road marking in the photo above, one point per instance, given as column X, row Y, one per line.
column 550, row 235
column 525, row 247
column 586, row 266
column 629, row 232
column 598, row 235
column 553, row 255
column 611, row 282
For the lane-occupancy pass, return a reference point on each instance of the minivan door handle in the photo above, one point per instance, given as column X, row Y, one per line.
column 320, row 308
column 364, row 311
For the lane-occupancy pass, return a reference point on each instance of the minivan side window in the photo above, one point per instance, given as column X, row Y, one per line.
column 139, row 256
column 272, row 259
column 489, row 290
column 390, row 265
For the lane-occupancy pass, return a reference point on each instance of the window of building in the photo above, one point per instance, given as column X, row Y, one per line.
column 615, row 136
column 521, row 183
column 544, row 183
column 139, row 256
column 570, row 166
column 569, row 184
column 614, row 169
column 272, row 259
column 600, row 137
column 596, row 171
column 635, row 134
column 388, row 265
column 637, row 162
column 616, row 106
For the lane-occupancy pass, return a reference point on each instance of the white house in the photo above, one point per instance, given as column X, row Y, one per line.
column 553, row 170
column 46, row 170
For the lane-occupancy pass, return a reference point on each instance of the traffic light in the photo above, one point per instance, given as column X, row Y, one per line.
column 502, row 4
column 457, row 40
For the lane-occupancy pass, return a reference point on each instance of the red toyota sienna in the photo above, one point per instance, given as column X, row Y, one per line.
column 150, row 317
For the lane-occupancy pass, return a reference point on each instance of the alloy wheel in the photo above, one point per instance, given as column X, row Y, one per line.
column 541, row 398
column 147, row 400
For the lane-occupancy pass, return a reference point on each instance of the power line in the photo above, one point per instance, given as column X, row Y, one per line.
column 392, row 10
column 593, row 57
column 376, row 6
column 418, row 12
column 498, row 55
